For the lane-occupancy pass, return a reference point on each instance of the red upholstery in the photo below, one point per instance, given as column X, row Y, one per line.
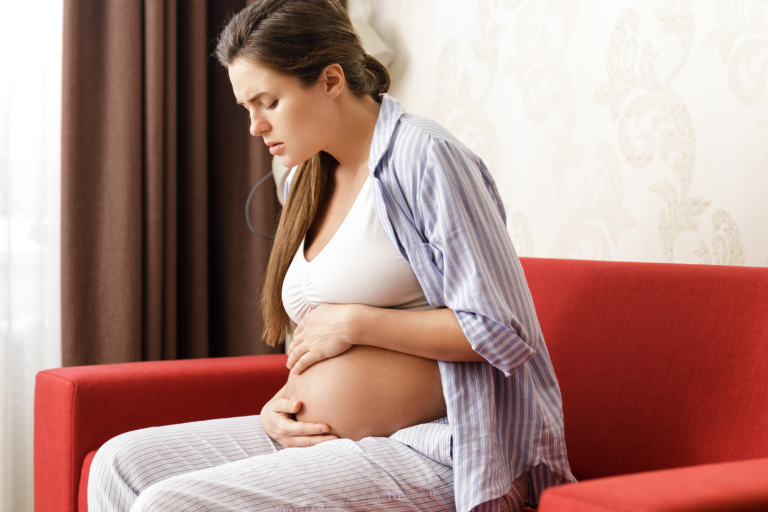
column 82, row 496
column 660, row 366
column 77, row 409
column 725, row 487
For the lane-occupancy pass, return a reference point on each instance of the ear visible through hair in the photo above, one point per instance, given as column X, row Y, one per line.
column 333, row 80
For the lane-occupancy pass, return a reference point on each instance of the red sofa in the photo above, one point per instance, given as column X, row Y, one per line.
column 663, row 371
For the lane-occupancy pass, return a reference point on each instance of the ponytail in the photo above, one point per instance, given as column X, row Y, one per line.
column 376, row 77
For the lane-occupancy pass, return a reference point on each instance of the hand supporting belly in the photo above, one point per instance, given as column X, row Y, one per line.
column 369, row 391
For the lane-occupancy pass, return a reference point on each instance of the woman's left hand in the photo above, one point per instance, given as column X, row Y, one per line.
column 325, row 332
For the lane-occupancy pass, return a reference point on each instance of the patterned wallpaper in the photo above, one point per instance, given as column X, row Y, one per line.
column 632, row 130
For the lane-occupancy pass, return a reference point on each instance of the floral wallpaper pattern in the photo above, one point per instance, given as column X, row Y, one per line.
column 631, row 130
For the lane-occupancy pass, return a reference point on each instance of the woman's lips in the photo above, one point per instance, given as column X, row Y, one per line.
column 276, row 148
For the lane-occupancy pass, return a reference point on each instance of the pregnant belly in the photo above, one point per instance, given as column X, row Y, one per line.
column 369, row 391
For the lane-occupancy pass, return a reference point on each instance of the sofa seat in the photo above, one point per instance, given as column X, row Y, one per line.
column 662, row 370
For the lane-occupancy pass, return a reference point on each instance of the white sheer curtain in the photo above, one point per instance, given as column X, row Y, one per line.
column 30, row 304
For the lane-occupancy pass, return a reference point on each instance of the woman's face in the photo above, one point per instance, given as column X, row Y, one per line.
column 295, row 122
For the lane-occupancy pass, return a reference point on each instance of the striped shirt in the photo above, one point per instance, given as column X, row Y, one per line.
column 440, row 207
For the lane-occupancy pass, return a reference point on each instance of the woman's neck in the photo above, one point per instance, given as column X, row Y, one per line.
column 351, row 144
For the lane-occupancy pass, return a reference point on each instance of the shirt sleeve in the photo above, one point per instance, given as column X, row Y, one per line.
column 468, row 261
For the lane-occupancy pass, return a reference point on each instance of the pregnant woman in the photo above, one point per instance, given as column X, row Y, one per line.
column 419, row 375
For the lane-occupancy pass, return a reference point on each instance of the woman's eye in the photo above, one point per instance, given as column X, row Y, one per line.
column 270, row 107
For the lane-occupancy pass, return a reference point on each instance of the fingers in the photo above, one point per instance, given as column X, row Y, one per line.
column 288, row 429
column 294, row 355
column 296, row 433
column 299, row 327
column 286, row 406
column 304, row 441
column 292, row 428
column 288, row 432
column 294, row 352
column 304, row 362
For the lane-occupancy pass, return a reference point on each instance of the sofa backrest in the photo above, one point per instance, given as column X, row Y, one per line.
column 659, row 365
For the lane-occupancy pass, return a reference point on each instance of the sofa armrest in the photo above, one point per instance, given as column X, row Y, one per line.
column 729, row 486
column 78, row 409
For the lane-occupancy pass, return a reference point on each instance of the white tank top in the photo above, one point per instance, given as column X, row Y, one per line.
column 359, row 265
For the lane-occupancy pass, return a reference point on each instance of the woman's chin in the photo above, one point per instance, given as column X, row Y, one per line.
column 287, row 161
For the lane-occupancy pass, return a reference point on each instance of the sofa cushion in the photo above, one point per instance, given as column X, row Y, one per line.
column 659, row 365
column 82, row 494
column 724, row 487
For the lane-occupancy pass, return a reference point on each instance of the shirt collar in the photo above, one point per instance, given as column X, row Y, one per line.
column 389, row 115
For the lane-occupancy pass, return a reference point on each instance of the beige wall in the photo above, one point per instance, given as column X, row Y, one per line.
column 616, row 129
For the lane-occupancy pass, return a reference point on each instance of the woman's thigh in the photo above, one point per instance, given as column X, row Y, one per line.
column 375, row 473
column 128, row 464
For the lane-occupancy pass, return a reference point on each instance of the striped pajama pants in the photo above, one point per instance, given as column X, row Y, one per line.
column 233, row 465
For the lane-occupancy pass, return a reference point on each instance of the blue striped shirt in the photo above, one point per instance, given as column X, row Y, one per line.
column 440, row 207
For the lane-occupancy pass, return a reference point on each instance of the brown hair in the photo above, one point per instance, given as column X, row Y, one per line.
column 299, row 38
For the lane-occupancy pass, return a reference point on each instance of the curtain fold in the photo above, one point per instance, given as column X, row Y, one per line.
column 157, row 163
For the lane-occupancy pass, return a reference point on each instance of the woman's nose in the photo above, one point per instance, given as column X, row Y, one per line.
column 258, row 126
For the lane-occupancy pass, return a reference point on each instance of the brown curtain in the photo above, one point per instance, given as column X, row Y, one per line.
column 157, row 164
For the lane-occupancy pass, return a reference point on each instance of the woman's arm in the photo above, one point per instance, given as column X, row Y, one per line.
column 331, row 329
column 433, row 334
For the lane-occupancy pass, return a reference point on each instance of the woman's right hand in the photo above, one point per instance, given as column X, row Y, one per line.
column 277, row 420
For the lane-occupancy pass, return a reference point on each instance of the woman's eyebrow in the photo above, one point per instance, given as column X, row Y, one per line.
column 253, row 99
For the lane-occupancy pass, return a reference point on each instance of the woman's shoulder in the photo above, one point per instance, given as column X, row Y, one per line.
column 422, row 146
column 417, row 130
column 413, row 143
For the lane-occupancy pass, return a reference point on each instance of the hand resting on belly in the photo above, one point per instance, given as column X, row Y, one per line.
column 368, row 391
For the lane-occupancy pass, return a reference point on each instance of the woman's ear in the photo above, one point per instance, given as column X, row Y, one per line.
column 333, row 78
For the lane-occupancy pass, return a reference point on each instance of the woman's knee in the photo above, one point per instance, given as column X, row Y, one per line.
column 160, row 496
column 110, row 454
column 117, row 463
column 191, row 495
column 110, row 474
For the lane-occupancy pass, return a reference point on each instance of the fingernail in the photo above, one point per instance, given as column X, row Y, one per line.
column 294, row 404
column 323, row 430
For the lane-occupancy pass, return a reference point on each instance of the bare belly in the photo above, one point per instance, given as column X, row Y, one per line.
column 368, row 391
